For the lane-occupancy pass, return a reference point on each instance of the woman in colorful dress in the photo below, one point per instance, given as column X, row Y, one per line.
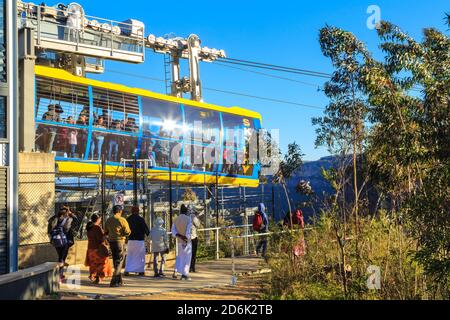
column 97, row 256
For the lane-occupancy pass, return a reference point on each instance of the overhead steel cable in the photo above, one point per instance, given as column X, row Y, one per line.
column 278, row 66
column 274, row 67
column 304, row 73
column 242, row 94
column 218, row 63
column 265, row 98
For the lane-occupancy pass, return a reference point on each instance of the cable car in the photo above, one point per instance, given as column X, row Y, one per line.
column 81, row 120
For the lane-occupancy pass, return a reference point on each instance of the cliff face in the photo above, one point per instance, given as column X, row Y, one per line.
column 311, row 171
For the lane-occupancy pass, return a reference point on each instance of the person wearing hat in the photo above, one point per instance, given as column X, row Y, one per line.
column 160, row 246
column 136, row 246
column 53, row 114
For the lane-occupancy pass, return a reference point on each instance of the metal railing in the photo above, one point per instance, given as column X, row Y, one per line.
column 254, row 235
column 94, row 36
column 217, row 236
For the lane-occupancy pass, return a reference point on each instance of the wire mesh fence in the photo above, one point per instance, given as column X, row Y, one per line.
column 42, row 194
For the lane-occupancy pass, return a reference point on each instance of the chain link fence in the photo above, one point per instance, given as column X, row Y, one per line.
column 42, row 194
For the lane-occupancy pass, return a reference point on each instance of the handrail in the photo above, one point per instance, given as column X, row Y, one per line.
column 233, row 266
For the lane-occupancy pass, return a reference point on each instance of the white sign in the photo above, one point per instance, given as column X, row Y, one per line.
column 374, row 279
column 119, row 199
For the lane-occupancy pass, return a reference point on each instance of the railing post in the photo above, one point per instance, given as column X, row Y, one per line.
column 246, row 248
column 233, row 271
column 103, row 191
column 112, row 38
column 217, row 244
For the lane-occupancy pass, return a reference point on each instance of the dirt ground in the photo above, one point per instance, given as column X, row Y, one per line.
column 249, row 287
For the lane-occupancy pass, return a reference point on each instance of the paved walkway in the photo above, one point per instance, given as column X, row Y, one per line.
column 210, row 274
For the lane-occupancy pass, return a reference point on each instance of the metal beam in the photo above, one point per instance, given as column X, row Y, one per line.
column 27, row 60
column 13, row 198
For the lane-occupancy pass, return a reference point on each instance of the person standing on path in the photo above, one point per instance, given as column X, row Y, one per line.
column 261, row 225
column 194, row 237
column 160, row 246
column 136, row 243
column 58, row 229
column 97, row 255
column 181, row 230
column 118, row 230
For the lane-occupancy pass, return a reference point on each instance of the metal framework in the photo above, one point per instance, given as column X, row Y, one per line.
column 83, row 42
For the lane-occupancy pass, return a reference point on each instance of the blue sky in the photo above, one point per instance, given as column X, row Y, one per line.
column 277, row 32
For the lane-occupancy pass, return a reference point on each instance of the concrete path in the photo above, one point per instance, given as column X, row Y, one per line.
column 209, row 274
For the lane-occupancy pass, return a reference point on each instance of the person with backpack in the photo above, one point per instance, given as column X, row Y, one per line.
column 58, row 229
column 297, row 219
column 261, row 225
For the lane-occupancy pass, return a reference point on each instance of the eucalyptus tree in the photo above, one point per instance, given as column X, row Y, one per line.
column 342, row 128
column 288, row 166
column 410, row 144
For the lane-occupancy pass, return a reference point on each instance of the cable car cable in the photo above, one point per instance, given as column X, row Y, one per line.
column 323, row 74
column 217, row 63
column 226, row 91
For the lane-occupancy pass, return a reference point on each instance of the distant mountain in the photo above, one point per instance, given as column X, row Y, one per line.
column 311, row 171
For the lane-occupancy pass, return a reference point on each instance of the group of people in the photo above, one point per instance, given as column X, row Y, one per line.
column 114, row 147
column 72, row 141
column 124, row 240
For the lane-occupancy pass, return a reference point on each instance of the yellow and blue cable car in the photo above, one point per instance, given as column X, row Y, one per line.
column 81, row 120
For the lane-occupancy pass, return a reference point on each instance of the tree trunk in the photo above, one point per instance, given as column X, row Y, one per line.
column 288, row 201
column 356, row 202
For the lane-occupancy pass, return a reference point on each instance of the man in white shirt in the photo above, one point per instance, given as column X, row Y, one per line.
column 181, row 230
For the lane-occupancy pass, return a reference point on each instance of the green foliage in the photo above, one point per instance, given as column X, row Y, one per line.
column 189, row 195
column 405, row 100
column 291, row 162
column 318, row 274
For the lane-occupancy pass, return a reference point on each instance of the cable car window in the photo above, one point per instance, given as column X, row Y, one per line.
column 59, row 105
column 161, row 119
column 147, row 151
column 235, row 129
column 200, row 158
column 120, row 111
column 202, row 125
column 61, row 101
column 113, row 146
column 166, row 152
column 63, row 141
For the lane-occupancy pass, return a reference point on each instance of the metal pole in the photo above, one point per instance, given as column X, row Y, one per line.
column 217, row 244
column 245, row 222
column 273, row 203
column 216, row 198
column 170, row 195
column 38, row 41
column 233, row 271
column 135, row 182
column 223, row 208
column 103, row 187
column 13, row 136
column 205, row 208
